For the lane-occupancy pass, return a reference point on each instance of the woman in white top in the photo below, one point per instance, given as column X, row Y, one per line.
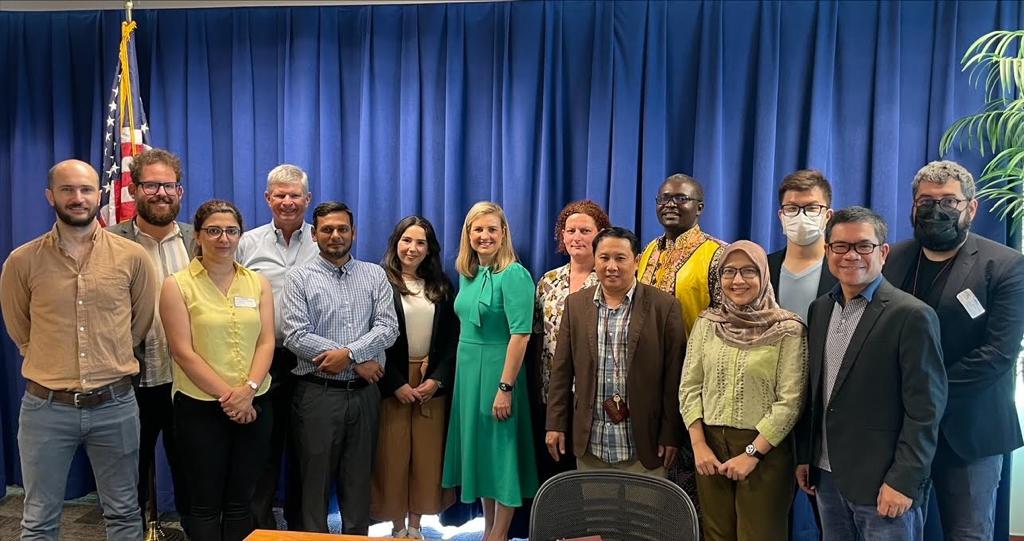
column 420, row 370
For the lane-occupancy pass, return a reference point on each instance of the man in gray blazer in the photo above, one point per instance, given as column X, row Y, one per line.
column 156, row 187
column 877, row 391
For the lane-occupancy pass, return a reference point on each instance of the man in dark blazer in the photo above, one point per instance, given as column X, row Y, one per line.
column 156, row 188
column 877, row 391
column 799, row 272
column 622, row 342
column 976, row 287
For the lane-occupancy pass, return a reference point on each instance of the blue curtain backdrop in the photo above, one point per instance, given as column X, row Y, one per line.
column 429, row 108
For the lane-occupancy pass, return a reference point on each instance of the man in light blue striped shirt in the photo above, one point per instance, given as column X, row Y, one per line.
column 339, row 317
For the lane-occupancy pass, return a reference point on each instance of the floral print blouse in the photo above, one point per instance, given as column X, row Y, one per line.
column 552, row 290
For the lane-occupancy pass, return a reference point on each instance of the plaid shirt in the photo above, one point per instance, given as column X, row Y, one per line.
column 610, row 442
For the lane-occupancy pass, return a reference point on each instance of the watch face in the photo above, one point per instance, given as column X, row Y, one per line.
column 750, row 449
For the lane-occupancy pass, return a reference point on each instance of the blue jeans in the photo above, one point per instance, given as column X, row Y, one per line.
column 966, row 495
column 843, row 520
column 48, row 436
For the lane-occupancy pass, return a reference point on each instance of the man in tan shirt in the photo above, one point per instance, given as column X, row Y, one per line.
column 75, row 300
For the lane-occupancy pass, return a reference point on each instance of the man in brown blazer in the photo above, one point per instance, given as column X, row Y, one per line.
column 622, row 342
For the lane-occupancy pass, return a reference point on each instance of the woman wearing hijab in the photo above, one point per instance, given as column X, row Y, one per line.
column 741, row 394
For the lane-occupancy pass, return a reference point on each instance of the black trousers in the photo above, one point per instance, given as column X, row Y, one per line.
column 335, row 438
column 221, row 458
column 279, row 400
column 156, row 415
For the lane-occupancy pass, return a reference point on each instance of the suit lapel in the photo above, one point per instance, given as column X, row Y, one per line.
column 961, row 271
column 590, row 320
column 867, row 321
column 897, row 267
column 637, row 316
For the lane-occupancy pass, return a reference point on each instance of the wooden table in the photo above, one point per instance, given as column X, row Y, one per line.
column 271, row 535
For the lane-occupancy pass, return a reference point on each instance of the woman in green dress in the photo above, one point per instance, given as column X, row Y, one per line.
column 489, row 452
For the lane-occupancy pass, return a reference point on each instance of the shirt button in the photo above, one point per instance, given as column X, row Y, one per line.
column 81, row 354
column 81, row 302
column 81, row 328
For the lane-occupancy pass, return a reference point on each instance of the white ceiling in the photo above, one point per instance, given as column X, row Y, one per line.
column 73, row 5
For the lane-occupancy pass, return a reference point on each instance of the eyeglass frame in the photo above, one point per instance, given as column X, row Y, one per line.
column 803, row 208
column 167, row 187
column 754, row 272
column 854, row 246
column 679, row 199
column 929, row 202
column 231, row 231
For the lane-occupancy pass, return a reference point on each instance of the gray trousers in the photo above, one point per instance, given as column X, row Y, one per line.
column 48, row 436
column 335, row 435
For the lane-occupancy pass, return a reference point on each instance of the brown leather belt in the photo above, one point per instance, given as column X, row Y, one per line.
column 80, row 399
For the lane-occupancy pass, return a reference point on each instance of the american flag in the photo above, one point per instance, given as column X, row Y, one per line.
column 126, row 132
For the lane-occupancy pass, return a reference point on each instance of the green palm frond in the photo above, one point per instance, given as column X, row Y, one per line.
column 995, row 61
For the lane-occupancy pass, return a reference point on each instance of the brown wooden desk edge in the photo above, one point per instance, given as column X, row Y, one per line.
column 272, row 535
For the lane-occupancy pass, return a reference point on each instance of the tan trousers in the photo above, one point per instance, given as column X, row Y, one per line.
column 410, row 457
column 755, row 508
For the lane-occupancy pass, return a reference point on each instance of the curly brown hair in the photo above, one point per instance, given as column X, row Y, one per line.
column 583, row 206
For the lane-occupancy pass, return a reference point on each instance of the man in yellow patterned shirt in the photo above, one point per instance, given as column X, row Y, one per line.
column 685, row 260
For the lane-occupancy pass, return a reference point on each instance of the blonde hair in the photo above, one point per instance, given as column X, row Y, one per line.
column 468, row 261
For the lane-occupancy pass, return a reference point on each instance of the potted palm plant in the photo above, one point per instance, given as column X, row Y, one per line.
column 997, row 58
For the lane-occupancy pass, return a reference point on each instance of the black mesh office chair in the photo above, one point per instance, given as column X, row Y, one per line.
column 616, row 505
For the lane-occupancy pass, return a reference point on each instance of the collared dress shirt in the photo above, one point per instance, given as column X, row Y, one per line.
column 264, row 250
column 75, row 323
column 169, row 256
column 329, row 307
column 611, row 442
column 841, row 326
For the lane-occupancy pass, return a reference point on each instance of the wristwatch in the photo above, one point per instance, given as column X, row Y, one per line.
column 505, row 387
column 752, row 451
column 253, row 385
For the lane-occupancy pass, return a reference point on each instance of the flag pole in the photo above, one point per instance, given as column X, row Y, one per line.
column 128, row 10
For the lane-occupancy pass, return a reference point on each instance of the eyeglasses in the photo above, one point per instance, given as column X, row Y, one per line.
column 947, row 203
column 813, row 210
column 216, row 232
column 862, row 248
column 152, row 188
column 747, row 272
column 679, row 199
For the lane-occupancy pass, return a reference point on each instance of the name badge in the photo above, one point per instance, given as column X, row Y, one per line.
column 245, row 302
column 970, row 303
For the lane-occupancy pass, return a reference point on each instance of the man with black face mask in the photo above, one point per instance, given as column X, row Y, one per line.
column 976, row 287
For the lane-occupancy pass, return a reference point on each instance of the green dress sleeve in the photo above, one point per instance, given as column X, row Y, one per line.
column 517, row 292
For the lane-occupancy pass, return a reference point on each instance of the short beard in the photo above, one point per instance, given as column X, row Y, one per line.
column 159, row 220
column 76, row 222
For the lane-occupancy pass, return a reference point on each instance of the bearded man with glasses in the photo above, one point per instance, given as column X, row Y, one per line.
column 976, row 287
column 170, row 244
column 877, row 388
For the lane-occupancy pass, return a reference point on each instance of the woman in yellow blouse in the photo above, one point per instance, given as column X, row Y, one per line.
column 741, row 394
column 219, row 320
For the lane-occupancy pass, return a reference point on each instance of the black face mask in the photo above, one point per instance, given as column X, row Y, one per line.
column 939, row 229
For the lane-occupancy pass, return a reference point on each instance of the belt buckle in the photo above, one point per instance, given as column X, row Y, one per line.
column 76, row 397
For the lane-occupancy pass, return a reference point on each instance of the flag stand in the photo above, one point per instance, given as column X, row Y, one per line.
column 154, row 530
